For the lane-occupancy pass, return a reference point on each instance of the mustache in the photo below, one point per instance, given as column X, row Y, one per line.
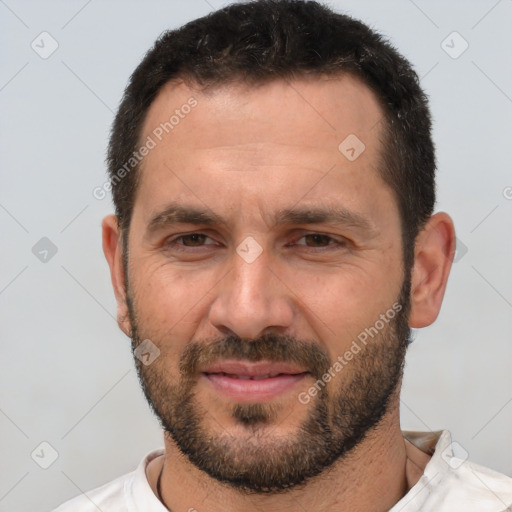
column 268, row 347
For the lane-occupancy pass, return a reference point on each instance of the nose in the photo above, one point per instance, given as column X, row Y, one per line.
column 251, row 300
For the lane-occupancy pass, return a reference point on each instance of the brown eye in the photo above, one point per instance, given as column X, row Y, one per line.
column 317, row 240
column 193, row 240
column 192, row 243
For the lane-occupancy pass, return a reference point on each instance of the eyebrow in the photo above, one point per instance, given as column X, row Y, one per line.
column 179, row 214
column 324, row 215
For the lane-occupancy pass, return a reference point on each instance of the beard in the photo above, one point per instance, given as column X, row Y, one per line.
column 337, row 421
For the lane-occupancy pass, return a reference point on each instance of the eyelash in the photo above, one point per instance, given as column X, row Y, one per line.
column 173, row 242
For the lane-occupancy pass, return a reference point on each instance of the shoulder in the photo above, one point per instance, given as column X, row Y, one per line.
column 108, row 497
column 485, row 488
column 451, row 483
column 123, row 493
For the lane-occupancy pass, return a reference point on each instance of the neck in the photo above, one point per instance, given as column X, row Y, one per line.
column 371, row 478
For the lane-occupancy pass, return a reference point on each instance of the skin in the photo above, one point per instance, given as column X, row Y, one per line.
column 244, row 153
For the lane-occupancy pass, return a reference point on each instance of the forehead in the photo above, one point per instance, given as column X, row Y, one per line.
column 244, row 138
column 326, row 106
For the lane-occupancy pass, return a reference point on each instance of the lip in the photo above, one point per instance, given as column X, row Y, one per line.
column 258, row 381
column 253, row 369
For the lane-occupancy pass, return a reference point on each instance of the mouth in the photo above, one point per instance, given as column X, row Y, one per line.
column 259, row 381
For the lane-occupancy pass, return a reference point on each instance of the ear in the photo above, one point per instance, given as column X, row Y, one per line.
column 113, row 250
column 433, row 255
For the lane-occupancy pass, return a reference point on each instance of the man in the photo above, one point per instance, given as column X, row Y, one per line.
column 274, row 241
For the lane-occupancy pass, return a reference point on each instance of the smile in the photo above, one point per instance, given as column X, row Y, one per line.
column 260, row 381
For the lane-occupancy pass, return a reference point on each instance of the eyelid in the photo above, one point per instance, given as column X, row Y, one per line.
column 339, row 239
column 172, row 240
column 334, row 240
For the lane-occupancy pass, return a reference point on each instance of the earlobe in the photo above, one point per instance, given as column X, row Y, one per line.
column 434, row 252
column 113, row 250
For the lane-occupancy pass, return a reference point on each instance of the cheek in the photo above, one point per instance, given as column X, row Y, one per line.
column 337, row 292
column 170, row 301
column 341, row 305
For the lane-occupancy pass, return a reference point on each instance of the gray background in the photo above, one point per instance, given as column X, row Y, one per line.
column 66, row 374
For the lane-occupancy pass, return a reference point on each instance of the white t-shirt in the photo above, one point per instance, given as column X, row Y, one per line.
column 448, row 484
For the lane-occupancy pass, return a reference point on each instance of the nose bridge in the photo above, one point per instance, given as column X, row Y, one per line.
column 249, row 299
column 250, row 273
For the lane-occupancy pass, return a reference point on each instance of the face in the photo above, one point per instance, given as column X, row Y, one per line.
column 266, row 267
